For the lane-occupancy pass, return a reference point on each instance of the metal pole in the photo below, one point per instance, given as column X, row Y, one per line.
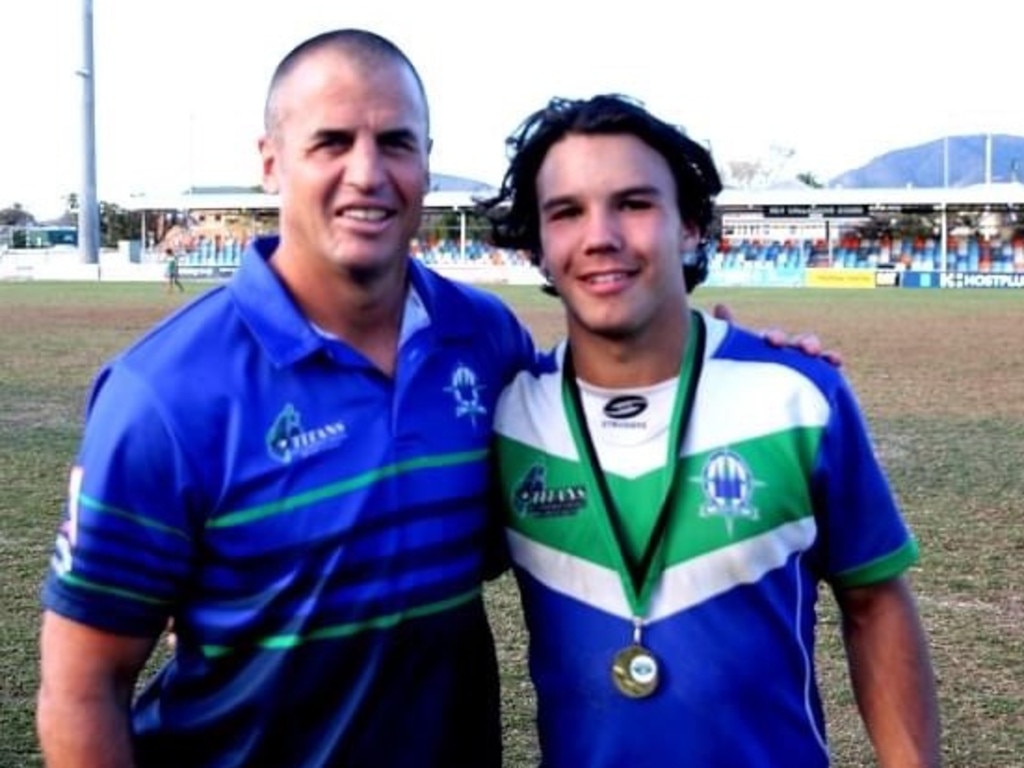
column 944, row 234
column 88, row 207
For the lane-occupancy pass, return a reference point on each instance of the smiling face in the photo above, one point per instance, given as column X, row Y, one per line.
column 611, row 237
column 347, row 153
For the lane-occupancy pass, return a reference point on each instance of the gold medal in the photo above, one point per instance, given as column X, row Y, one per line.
column 635, row 672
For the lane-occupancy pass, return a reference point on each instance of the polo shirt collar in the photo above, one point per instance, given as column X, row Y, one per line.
column 286, row 334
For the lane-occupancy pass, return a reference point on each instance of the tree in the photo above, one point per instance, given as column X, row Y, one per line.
column 69, row 218
column 118, row 224
column 760, row 172
column 744, row 172
column 16, row 216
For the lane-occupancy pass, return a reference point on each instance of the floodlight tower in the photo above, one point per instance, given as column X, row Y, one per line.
column 88, row 207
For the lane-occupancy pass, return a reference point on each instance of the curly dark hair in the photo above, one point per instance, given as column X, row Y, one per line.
column 513, row 212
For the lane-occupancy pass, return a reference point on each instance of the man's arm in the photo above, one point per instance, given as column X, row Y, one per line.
column 87, row 679
column 891, row 673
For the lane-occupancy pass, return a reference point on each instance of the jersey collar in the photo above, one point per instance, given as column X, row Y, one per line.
column 287, row 335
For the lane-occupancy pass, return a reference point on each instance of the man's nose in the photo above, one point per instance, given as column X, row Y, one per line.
column 602, row 233
column 364, row 168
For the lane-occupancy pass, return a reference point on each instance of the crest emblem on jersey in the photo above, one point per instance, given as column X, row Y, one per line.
column 465, row 389
column 625, row 406
column 287, row 440
column 67, row 534
column 728, row 486
column 532, row 497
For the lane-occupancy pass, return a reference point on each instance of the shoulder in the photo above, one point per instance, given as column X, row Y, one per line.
column 459, row 310
column 740, row 352
column 748, row 387
column 181, row 347
column 535, row 389
column 449, row 297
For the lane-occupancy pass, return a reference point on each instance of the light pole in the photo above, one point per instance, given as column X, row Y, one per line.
column 88, row 206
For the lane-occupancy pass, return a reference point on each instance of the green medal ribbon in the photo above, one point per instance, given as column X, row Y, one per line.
column 642, row 573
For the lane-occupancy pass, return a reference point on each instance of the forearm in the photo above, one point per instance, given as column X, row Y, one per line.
column 86, row 682
column 892, row 676
column 89, row 731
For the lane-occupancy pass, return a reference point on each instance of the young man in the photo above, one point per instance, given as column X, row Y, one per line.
column 675, row 489
column 295, row 469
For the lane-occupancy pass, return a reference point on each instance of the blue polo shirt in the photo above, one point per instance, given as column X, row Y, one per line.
column 315, row 527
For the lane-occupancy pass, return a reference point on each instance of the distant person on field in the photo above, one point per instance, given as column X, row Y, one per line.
column 295, row 469
column 675, row 490
column 172, row 270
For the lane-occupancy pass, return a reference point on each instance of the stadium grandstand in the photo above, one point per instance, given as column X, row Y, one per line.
column 788, row 236
column 967, row 229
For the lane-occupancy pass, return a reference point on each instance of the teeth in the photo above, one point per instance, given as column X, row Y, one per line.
column 608, row 278
column 366, row 214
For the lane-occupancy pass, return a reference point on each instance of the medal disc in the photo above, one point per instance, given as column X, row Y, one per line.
column 635, row 672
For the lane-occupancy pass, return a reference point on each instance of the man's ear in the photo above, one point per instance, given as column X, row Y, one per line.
column 268, row 155
column 689, row 237
column 549, row 285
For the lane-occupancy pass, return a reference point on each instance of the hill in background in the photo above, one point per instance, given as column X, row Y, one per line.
column 922, row 165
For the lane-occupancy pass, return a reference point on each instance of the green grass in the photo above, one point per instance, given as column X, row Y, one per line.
column 941, row 378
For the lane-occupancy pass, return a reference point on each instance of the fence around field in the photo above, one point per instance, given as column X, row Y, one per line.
column 123, row 266
column 127, row 264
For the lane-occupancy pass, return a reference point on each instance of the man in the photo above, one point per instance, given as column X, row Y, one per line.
column 172, row 271
column 676, row 489
column 294, row 469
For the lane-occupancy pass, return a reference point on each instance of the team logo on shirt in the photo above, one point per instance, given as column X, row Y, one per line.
column 728, row 486
column 465, row 389
column 531, row 496
column 287, row 440
column 67, row 534
column 625, row 406
column 623, row 412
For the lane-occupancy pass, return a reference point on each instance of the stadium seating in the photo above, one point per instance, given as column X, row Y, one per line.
column 964, row 254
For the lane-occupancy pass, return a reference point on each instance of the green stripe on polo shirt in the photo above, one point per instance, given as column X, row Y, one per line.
column 288, row 641
column 290, row 503
column 148, row 522
column 69, row 577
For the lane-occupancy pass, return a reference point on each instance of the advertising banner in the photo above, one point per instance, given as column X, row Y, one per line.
column 828, row 277
column 887, row 278
column 920, row 279
column 206, row 272
column 781, row 277
column 963, row 280
column 981, row 280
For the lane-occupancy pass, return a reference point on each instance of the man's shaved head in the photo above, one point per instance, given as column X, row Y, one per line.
column 364, row 48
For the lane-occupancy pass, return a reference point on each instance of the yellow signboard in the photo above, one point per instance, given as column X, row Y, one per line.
column 840, row 278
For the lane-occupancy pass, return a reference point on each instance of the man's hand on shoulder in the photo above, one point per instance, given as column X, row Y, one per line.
column 808, row 343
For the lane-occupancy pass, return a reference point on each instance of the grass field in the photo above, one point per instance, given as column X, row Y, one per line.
column 941, row 378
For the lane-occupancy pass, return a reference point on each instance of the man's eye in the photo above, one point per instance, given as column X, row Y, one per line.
column 398, row 142
column 333, row 142
column 636, row 204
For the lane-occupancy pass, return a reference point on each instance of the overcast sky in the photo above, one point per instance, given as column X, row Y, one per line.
column 180, row 86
